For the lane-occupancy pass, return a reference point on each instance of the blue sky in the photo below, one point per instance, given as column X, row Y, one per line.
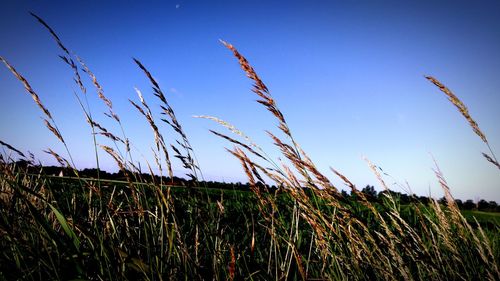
column 348, row 75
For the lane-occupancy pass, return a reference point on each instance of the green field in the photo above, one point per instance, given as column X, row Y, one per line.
column 484, row 218
column 199, row 232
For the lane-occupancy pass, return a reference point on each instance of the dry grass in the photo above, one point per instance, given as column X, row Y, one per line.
column 303, row 230
column 465, row 113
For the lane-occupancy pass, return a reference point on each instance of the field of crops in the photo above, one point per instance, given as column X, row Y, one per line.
column 53, row 230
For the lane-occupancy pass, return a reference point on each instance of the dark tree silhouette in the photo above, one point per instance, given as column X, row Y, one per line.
column 469, row 205
column 370, row 192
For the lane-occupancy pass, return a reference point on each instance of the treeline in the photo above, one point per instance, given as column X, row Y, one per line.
column 369, row 191
column 372, row 195
column 122, row 176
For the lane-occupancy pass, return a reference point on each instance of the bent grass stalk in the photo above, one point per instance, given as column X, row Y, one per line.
column 465, row 113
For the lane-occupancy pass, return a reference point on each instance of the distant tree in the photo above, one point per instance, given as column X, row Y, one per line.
column 459, row 203
column 404, row 198
column 469, row 205
column 384, row 194
column 344, row 194
column 493, row 205
column 51, row 170
column 370, row 192
column 22, row 163
column 424, row 200
column 483, row 205
column 91, row 173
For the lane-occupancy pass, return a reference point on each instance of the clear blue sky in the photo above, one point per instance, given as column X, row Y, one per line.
column 348, row 75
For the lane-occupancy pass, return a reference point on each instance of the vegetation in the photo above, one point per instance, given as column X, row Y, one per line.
column 144, row 227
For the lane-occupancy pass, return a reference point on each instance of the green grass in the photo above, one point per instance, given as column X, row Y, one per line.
column 484, row 218
column 224, row 218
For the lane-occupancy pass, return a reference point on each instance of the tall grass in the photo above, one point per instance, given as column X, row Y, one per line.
column 146, row 228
